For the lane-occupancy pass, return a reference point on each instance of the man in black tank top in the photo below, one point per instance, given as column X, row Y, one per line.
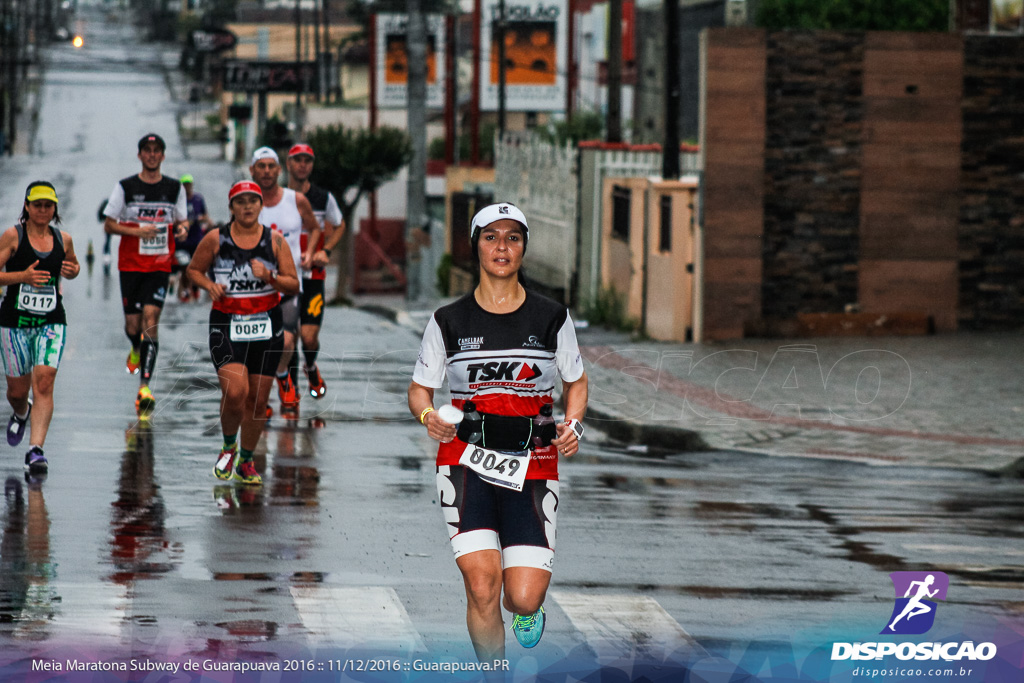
column 311, row 307
column 34, row 256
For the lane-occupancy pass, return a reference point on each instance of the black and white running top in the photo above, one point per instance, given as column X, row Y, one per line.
column 244, row 293
column 136, row 202
column 506, row 363
column 28, row 306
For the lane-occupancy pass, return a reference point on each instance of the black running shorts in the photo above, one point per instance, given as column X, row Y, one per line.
column 259, row 357
column 311, row 309
column 142, row 289
column 481, row 516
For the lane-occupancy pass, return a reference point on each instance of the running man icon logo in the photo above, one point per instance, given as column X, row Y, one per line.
column 914, row 612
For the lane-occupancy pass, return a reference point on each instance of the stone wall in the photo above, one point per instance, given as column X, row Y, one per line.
column 880, row 169
column 812, row 175
column 991, row 243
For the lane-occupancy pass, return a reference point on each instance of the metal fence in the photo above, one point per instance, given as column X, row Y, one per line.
column 561, row 197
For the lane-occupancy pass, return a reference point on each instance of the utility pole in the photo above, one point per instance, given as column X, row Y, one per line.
column 501, row 68
column 670, row 150
column 319, row 68
column 328, row 55
column 298, row 65
column 615, row 71
column 416, row 201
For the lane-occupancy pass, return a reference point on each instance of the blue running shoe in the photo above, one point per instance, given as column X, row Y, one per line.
column 16, row 427
column 529, row 628
column 35, row 461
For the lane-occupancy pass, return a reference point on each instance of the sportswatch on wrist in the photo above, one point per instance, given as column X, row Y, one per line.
column 577, row 427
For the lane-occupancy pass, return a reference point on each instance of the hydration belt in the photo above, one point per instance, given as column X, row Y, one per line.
column 506, row 433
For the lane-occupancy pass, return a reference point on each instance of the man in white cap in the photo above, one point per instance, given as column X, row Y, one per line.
column 290, row 213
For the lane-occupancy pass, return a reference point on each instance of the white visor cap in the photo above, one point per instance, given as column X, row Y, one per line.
column 265, row 153
column 497, row 212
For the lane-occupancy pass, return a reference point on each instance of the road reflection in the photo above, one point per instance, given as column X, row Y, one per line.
column 26, row 570
column 138, row 536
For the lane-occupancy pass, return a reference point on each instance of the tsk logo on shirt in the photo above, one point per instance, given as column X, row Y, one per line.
column 155, row 214
column 470, row 343
column 914, row 612
column 507, row 373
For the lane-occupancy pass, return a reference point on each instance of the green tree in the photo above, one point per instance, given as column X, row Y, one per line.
column 855, row 15
column 351, row 162
column 582, row 125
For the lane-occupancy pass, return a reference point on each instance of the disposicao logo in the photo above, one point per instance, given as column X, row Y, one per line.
column 914, row 614
column 916, row 592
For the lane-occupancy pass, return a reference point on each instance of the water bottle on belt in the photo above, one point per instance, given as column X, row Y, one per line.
column 473, row 421
column 541, row 424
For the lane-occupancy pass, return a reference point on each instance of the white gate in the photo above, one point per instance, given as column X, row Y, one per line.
column 540, row 178
column 543, row 180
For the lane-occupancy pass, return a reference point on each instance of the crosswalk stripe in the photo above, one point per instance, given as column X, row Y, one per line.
column 617, row 626
column 365, row 616
column 90, row 612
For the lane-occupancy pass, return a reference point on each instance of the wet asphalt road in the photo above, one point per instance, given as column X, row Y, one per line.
column 131, row 545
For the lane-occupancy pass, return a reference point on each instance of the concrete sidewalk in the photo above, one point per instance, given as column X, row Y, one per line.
column 937, row 401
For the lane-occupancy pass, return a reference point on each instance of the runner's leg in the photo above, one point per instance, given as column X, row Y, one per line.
column 17, row 393
column 254, row 414
column 525, row 589
column 42, row 378
column 234, row 387
column 150, row 342
column 481, row 573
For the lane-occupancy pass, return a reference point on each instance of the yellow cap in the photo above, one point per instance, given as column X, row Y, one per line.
column 37, row 192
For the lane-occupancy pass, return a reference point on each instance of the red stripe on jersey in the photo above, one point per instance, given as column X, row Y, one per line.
column 247, row 305
column 130, row 260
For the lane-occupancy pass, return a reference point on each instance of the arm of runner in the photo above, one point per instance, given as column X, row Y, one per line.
column 575, row 396
column 200, row 264
column 115, row 227
column 421, row 404
column 180, row 231
column 70, row 267
column 287, row 280
column 335, row 224
column 8, row 245
column 181, row 214
column 310, row 226
column 333, row 235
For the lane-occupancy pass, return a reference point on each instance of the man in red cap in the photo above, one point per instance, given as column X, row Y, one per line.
column 149, row 211
column 311, row 308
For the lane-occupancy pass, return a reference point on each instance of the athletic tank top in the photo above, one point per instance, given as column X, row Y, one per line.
column 244, row 292
column 284, row 217
column 27, row 306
